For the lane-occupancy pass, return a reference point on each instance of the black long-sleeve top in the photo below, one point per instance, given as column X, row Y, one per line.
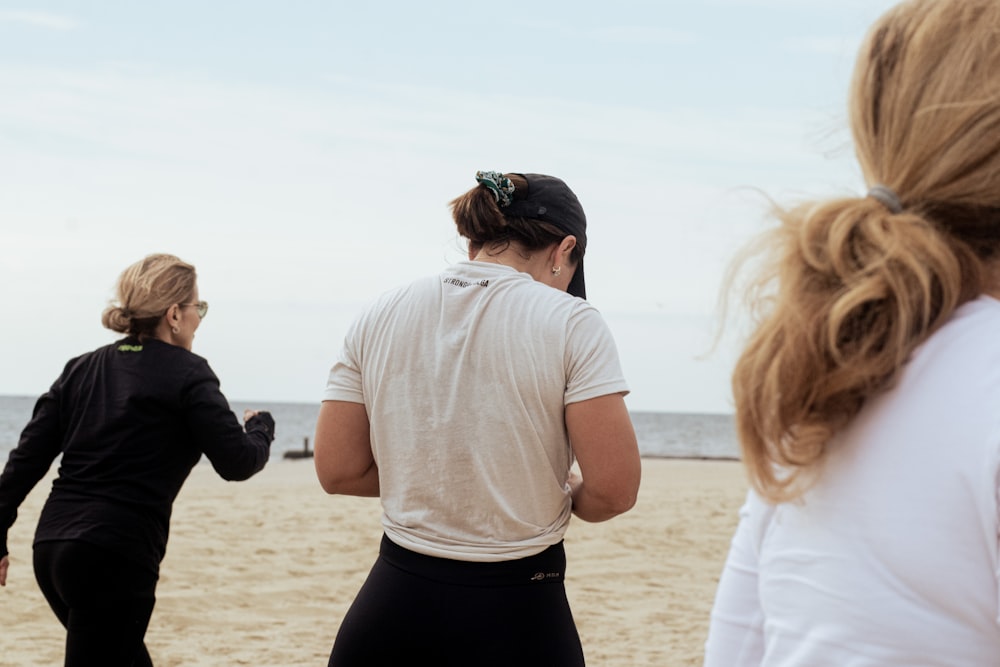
column 131, row 420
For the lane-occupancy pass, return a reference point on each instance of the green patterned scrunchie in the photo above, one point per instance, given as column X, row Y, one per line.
column 498, row 184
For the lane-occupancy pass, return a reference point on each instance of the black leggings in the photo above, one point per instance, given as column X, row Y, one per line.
column 103, row 600
column 415, row 610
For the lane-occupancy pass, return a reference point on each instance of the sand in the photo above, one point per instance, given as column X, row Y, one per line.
column 261, row 572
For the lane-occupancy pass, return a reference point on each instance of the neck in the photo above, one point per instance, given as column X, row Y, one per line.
column 513, row 256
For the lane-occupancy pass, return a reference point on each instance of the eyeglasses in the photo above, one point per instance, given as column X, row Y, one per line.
column 202, row 307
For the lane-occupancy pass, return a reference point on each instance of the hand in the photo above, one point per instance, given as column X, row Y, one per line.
column 4, row 564
column 249, row 414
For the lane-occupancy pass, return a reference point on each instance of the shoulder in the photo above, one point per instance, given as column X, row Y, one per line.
column 170, row 363
column 398, row 292
column 980, row 315
column 87, row 360
column 585, row 316
column 968, row 340
column 390, row 300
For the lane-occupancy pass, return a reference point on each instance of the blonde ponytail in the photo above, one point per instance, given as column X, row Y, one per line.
column 850, row 287
column 857, row 288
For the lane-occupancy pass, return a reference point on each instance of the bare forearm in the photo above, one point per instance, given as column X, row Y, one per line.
column 366, row 485
column 606, row 450
column 594, row 508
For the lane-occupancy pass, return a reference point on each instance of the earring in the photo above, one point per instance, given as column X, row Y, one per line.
column 556, row 270
column 175, row 330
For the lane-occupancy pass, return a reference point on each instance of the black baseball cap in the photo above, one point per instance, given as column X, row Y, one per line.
column 550, row 200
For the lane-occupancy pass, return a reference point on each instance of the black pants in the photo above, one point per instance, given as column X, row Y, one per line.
column 415, row 609
column 103, row 600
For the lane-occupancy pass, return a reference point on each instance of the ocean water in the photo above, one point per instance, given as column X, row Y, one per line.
column 660, row 434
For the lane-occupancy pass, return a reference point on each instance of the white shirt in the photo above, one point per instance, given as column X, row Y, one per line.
column 892, row 558
column 465, row 377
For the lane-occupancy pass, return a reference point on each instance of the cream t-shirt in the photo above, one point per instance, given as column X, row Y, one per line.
column 465, row 377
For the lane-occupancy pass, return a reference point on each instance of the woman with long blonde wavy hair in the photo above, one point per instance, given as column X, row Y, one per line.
column 868, row 396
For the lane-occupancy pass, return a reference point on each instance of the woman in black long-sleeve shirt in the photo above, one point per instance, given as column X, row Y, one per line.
column 131, row 420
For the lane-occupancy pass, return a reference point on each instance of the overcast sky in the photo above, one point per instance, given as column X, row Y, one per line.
column 301, row 154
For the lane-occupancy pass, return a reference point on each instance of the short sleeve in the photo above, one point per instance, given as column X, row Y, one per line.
column 344, row 382
column 592, row 365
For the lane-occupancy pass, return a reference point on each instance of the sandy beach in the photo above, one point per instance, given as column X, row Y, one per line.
column 261, row 572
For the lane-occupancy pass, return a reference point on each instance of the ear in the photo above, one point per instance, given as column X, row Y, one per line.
column 173, row 314
column 560, row 253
